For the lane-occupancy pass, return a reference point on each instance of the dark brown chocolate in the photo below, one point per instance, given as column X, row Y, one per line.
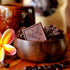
column 5, row 64
column 20, row 34
column 34, row 33
column 52, row 32
column 60, row 66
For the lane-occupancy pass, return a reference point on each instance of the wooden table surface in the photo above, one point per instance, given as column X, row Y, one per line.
column 19, row 64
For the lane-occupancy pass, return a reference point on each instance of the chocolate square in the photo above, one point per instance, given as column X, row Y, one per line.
column 34, row 33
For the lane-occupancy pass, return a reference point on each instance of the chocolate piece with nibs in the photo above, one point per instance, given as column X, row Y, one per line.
column 34, row 33
column 37, row 33
column 5, row 64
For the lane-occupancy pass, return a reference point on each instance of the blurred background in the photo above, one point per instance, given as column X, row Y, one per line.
column 67, row 11
column 55, row 12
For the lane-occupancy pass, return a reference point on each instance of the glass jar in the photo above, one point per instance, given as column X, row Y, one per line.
column 14, row 16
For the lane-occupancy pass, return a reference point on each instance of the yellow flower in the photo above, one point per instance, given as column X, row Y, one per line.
column 6, row 39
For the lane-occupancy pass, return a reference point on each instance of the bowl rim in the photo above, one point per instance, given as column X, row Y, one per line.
column 64, row 38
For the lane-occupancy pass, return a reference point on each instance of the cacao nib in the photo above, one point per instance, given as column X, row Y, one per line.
column 34, row 67
column 53, row 33
column 51, row 67
column 27, row 68
column 5, row 64
column 40, row 68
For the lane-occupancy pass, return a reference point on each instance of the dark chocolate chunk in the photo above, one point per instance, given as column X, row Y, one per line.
column 50, row 25
column 51, row 67
column 60, row 67
column 35, row 33
column 56, row 65
column 19, row 33
column 45, row 67
column 53, row 33
column 5, row 64
column 40, row 68
column 34, row 67
column 61, row 64
column 66, row 64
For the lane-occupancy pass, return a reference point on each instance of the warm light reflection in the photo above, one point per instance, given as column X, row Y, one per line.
column 5, row 12
column 6, row 39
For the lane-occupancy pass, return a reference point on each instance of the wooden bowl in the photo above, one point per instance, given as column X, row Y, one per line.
column 38, row 51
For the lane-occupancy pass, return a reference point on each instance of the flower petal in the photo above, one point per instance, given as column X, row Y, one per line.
column 0, row 38
column 2, row 54
column 9, row 49
column 8, row 36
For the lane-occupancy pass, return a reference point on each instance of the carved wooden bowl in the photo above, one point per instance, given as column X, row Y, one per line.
column 38, row 51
